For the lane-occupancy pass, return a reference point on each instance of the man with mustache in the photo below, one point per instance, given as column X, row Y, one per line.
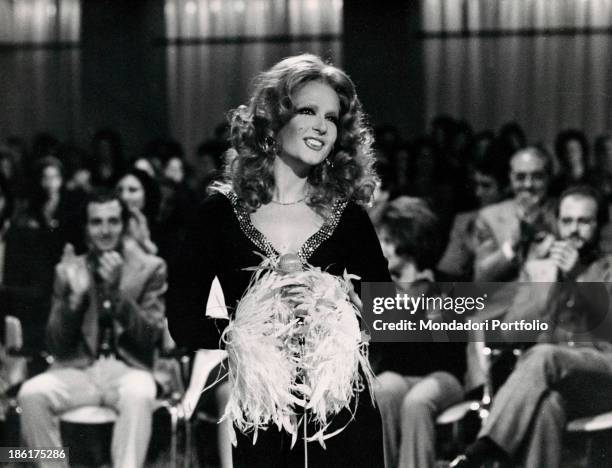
column 107, row 316
column 509, row 232
column 568, row 374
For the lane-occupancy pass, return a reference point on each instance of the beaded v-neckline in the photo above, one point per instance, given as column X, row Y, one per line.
column 263, row 243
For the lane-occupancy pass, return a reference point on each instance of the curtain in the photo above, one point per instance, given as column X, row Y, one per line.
column 543, row 63
column 215, row 48
column 39, row 67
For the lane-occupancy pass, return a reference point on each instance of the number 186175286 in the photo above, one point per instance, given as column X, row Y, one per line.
column 21, row 454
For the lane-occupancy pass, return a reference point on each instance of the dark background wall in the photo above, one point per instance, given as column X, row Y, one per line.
column 384, row 57
column 117, row 74
column 123, row 70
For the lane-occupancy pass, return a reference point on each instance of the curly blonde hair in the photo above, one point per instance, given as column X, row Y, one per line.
column 348, row 172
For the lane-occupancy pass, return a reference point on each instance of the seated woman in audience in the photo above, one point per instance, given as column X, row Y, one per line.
column 141, row 194
column 419, row 379
column 34, row 245
column 572, row 151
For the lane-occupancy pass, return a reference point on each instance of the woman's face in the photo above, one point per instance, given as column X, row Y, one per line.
column 308, row 138
column 51, row 179
column 174, row 170
column 132, row 192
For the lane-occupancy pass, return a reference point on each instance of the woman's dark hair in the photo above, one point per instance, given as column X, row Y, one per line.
column 414, row 229
column 347, row 174
column 152, row 193
column 561, row 141
column 37, row 195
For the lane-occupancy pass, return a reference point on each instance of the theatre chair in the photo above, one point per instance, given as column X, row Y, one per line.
column 590, row 427
column 457, row 413
column 90, row 425
column 90, row 429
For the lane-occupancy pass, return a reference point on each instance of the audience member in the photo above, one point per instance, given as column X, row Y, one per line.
column 140, row 192
column 34, row 245
column 78, row 175
column 411, row 392
column 508, row 231
column 208, row 166
column 601, row 178
column 17, row 147
column 490, row 183
column 569, row 372
column 106, row 318
column 572, row 151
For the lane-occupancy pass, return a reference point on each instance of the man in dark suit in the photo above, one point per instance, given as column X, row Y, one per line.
column 107, row 317
column 568, row 374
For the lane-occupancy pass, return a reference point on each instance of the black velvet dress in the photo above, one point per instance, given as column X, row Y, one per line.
column 223, row 242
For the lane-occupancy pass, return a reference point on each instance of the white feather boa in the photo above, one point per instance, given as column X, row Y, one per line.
column 295, row 348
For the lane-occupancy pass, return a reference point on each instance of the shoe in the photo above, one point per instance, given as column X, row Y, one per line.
column 463, row 461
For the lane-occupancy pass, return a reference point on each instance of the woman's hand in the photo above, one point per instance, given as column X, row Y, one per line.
column 138, row 229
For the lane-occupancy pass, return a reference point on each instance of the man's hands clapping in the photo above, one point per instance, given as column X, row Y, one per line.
column 109, row 268
column 565, row 256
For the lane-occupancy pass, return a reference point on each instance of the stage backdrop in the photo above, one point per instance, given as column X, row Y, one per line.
column 215, row 47
column 39, row 67
column 544, row 63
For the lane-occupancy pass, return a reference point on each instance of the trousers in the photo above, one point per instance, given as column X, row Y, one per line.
column 550, row 384
column 408, row 407
column 108, row 382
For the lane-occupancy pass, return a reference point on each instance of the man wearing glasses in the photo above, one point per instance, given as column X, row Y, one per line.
column 509, row 232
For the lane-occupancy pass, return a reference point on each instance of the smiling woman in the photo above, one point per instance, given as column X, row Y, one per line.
column 298, row 173
column 309, row 136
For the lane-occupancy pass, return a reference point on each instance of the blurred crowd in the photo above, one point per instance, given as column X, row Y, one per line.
column 453, row 204
column 43, row 185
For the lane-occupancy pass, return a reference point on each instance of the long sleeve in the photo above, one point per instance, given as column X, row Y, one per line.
column 64, row 325
column 142, row 320
column 190, row 282
column 365, row 257
column 490, row 263
column 458, row 258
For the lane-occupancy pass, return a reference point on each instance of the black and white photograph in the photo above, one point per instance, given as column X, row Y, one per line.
column 306, row 233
